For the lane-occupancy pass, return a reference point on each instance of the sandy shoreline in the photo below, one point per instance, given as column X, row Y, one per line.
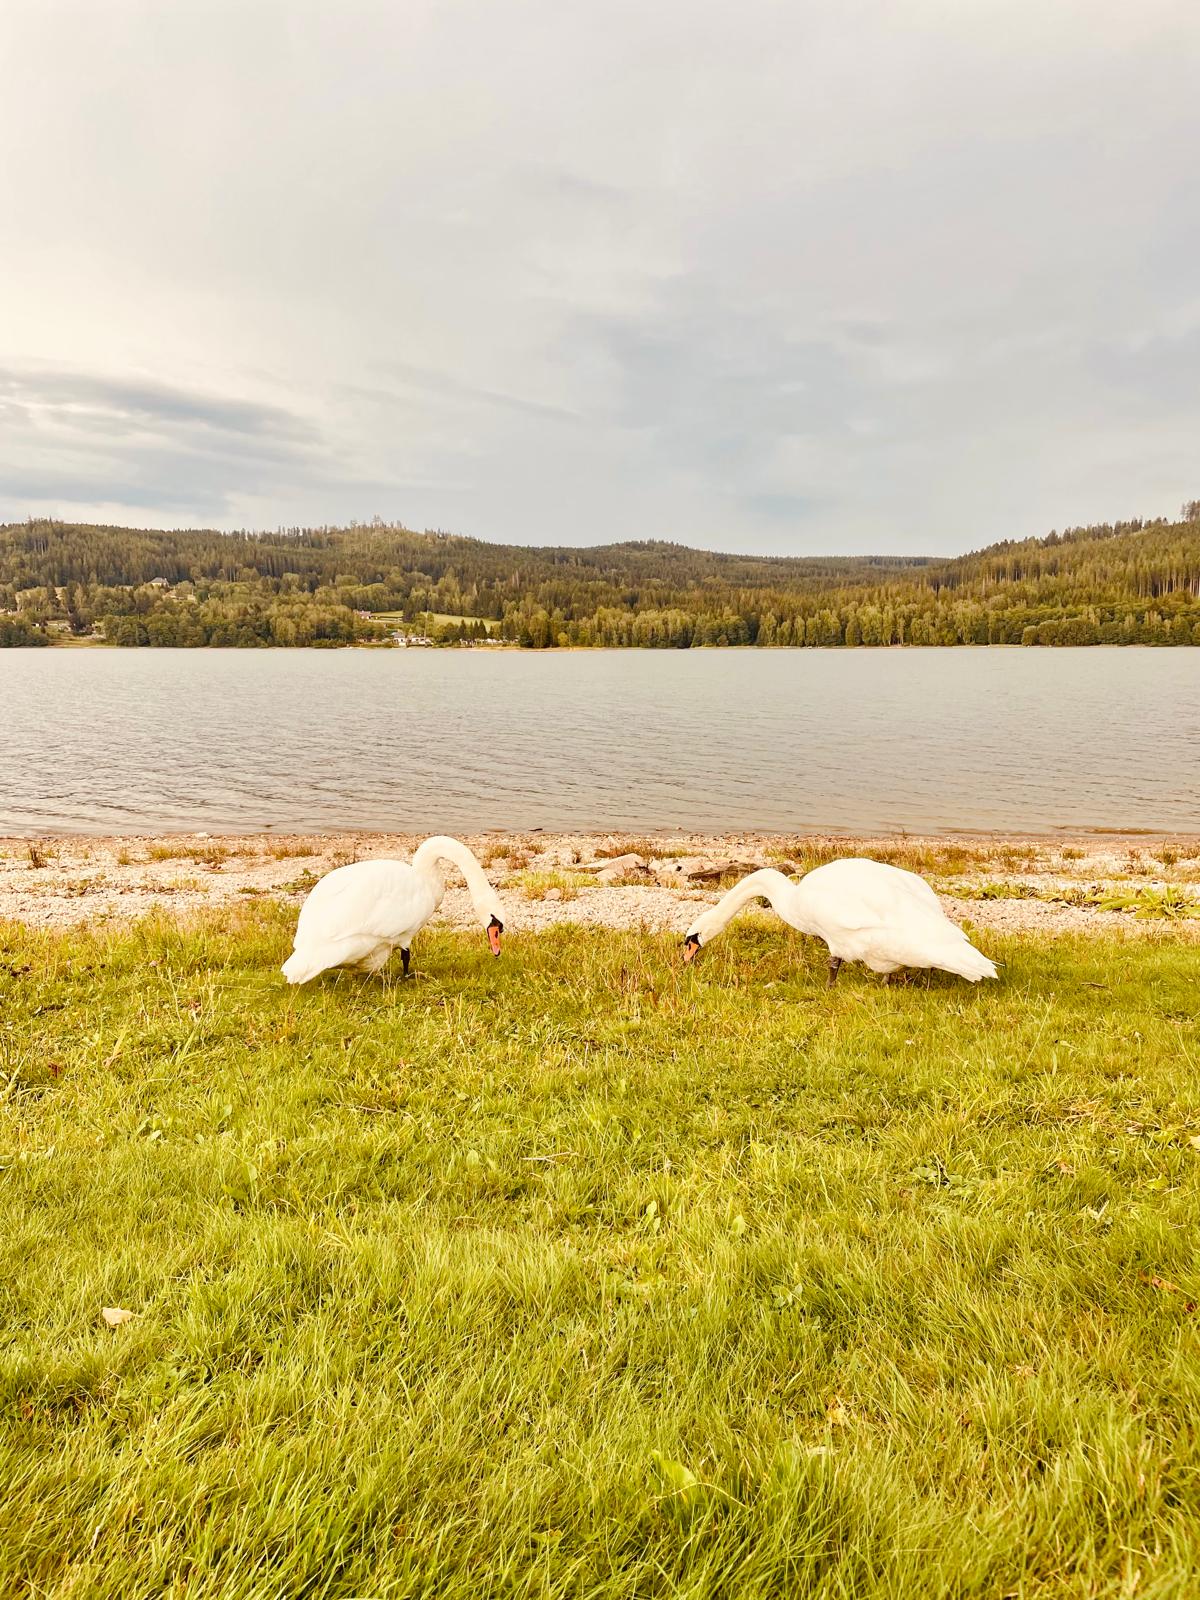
column 1010, row 884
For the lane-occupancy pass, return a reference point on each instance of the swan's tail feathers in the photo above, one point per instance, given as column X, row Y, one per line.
column 302, row 965
column 313, row 957
column 969, row 963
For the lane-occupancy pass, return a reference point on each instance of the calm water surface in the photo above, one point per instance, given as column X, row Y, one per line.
column 130, row 741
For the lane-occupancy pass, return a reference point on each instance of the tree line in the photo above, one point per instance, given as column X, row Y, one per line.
column 1124, row 583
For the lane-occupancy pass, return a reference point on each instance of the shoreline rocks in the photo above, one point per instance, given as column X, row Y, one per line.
column 63, row 881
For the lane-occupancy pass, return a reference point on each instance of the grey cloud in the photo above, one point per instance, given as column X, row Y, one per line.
column 68, row 486
column 1147, row 374
column 442, row 383
column 78, row 438
column 788, row 508
column 122, row 403
column 798, row 278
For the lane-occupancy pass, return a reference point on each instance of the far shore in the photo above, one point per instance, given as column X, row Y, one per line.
column 1132, row 884
column 90, row 642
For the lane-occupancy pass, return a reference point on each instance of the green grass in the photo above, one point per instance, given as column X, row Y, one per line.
column 580, row 1273
column 396, row 619
column 928, row 856
column 536, row 885
column 1144, row 901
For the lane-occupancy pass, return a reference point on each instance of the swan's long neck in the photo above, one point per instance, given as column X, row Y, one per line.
column 766, row 884
column 442, row 848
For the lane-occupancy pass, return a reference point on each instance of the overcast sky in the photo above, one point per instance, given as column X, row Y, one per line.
column 863, row 275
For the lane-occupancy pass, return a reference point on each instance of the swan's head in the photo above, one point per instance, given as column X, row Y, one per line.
column 696, row 937
column 488, row 909
column 491, row 914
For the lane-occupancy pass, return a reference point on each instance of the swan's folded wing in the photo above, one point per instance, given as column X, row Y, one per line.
column 925, row 937
column 381, row 898
column 937, row 943
column 890, row 903
column 856, row 893
column 914, row 884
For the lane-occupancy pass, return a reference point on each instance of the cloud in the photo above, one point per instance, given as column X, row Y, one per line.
column 886, row 276
column 80, row 439
column 121, row 403
column 442, row 383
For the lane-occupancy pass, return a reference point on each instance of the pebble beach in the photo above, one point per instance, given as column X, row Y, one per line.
column 1134, row 885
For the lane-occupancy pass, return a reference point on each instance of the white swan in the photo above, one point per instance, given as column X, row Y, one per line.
column 357, row 915
column 865, row 911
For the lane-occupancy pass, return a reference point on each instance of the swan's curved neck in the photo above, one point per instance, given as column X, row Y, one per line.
column 442, row 848
column 766, row 884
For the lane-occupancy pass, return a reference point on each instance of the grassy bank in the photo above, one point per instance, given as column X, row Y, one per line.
column 579, row 1273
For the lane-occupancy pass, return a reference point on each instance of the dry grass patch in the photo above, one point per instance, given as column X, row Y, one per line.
column 207, row 852
column 73, row 888
column 915, row 855
column 651, row 849
column 540, row 885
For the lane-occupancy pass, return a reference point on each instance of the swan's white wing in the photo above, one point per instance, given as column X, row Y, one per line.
column 857, row 893
column 889, row 918
column 912, row 883
column 926, row 940
column 383, row 900
column 915, row 928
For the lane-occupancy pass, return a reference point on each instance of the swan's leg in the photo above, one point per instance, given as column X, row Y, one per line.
column 406, row 957
column 835, row 966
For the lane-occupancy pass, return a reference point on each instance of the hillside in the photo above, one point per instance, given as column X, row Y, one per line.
column 1128, row 583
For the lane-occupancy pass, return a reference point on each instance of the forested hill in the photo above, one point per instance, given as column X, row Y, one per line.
column 1128, row 583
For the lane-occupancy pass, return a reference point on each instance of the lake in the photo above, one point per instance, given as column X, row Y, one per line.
column 141, row 741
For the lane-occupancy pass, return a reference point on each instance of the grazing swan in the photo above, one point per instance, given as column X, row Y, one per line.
column 865, row 911
column 357, row 915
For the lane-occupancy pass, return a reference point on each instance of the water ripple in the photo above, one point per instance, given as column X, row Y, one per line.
column 1038, row 740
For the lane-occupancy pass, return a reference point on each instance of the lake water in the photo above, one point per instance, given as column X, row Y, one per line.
column 138, row 741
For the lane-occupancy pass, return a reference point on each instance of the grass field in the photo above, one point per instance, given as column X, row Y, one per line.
column 583, row 1274
column 439, row 618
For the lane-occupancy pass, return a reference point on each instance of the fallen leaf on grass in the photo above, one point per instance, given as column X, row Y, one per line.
column 680, row 1483
column 1166, row 1286
column 114, row 1316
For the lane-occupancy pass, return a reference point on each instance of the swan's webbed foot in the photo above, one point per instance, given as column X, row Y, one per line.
column 835, row 966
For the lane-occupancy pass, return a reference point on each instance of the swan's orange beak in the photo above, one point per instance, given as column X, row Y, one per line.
column 691, row 949
column 494, row 930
